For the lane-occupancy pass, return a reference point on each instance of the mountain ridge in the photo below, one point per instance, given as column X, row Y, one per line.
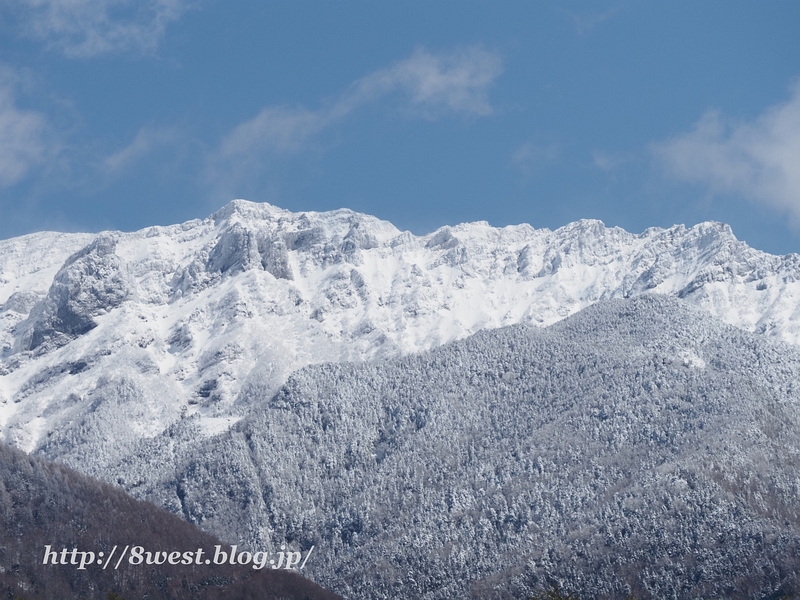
column 119, row 335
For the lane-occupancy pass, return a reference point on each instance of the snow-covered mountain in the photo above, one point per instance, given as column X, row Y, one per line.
column 108, row 339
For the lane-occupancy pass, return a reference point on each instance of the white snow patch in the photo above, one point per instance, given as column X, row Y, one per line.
column 691, row 360
column 215, row 425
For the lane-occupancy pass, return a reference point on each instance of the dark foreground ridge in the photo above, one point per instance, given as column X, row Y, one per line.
column 639, row 447
column 45, row 503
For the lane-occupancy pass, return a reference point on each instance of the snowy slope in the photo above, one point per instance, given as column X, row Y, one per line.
column 108, row 339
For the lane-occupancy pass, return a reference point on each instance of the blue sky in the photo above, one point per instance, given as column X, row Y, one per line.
column 117, row 114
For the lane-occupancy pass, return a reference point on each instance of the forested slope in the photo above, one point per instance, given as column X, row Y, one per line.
column 636, row 446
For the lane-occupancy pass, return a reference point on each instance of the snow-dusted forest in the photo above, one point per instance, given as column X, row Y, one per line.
column 638, row 446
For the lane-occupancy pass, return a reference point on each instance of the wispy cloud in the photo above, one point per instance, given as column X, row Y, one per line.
column 584, row 22
column 276, row 128
column 24, row 134
column 610, row 161
column 530, row 156
column 426, row 85
column 759, row 160
column 86, row 28
column 32, row 145
column 147, row 139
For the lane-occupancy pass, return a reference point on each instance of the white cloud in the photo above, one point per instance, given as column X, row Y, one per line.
column 430, row 85
column 23, row 134
column 85, row 28
column 456, row 83
column 759, row 160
